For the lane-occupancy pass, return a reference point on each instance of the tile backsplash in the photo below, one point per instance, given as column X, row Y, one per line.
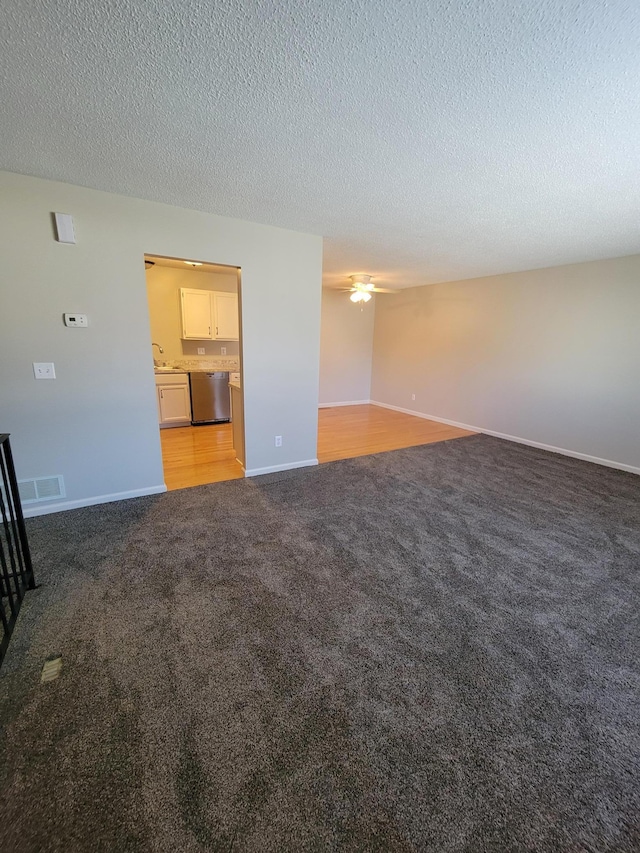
column 211, row 348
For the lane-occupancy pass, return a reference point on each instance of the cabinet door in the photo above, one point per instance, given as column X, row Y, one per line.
column 196, row 314
column 225, row 316
column 174, row 404
column 237, row 424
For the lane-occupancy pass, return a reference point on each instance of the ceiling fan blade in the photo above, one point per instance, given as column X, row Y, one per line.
column 383, row 290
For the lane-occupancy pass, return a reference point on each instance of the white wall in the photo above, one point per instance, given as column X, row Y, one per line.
column 96, row 424
column 551, row 356
column 346, row 344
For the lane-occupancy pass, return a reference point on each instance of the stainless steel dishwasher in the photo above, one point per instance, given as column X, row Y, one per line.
column 210, row 397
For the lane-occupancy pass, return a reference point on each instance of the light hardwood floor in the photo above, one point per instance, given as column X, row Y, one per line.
column 193, row 456
column 345, row 432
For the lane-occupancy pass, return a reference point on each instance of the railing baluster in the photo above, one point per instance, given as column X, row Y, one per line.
column 16, row 570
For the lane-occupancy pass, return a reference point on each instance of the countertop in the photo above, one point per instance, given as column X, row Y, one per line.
column 160, row 370
column 163, row 371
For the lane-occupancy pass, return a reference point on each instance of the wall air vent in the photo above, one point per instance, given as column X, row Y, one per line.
column 41, row 489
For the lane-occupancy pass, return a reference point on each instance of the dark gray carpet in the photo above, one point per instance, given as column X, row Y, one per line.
column 432, row 649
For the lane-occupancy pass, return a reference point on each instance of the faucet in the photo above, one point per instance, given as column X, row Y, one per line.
column 155, row 361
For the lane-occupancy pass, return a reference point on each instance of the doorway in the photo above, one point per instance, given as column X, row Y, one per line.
column 194, row 316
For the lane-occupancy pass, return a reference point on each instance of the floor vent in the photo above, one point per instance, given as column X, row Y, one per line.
column 51, row 669
column 41, row 489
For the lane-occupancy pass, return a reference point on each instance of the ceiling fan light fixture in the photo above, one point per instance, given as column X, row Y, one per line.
column 361, row 280
column 362, row 284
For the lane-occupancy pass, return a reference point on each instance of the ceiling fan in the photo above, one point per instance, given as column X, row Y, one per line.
column 362, row 287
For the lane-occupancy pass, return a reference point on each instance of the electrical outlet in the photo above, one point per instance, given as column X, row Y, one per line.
column 278, row 441
column 413, row 397
column 44, row 370
column 223, row 350
column 200, row 350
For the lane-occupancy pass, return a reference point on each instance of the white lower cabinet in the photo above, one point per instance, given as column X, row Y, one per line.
column 174, row 401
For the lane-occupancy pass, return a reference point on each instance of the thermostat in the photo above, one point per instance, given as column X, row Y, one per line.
column 78, row 320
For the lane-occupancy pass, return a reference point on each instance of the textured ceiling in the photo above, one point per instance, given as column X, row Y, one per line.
column 426, row 141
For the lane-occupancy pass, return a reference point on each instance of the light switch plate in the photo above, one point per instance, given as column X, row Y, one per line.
column 44, row 370
column 200, row 350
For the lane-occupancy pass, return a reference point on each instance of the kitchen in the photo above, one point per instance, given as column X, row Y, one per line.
column 194, row 322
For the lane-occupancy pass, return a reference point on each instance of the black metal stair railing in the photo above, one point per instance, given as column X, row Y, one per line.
column 16, row 571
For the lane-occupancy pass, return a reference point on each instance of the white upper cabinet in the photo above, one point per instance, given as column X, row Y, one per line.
column 209, row 315
column 225, row 316
column 197, row 314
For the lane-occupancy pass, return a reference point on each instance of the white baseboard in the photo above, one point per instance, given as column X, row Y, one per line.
column 426, row 417
column 32, row 511
column 272, row 469
column 348, row 403
column 609, row 463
